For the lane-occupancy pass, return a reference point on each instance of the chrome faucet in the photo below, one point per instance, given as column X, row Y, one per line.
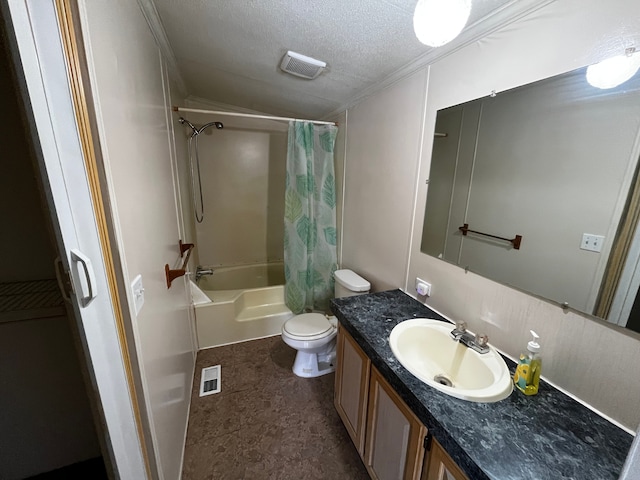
column 200, row 272
column 474, row 342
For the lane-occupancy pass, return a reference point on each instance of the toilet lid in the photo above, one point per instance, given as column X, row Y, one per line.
column 307, row 325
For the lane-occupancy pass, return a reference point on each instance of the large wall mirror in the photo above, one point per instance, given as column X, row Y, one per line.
column 554, row 163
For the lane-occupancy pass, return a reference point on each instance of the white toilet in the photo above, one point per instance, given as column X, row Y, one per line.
column 314, row 334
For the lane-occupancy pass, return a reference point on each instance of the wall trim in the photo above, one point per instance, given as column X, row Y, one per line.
column 507, row 14
column 152, row 17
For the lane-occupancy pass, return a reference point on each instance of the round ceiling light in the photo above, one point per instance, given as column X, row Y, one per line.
column 613, row 71
column 437, row 22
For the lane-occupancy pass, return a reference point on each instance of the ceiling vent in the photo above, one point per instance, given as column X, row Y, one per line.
column 301, row 65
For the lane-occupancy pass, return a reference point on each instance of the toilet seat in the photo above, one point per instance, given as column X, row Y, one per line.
column 308, row 327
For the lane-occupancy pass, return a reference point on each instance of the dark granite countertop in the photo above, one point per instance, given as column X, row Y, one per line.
column 546, row 436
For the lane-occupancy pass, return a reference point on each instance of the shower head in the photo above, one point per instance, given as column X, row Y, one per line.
column 198, row 131
column 218, row 125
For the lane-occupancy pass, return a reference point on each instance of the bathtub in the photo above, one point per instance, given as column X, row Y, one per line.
column 239, row 303
column 243, row 277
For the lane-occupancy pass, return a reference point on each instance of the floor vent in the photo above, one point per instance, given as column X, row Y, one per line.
column 210, row 381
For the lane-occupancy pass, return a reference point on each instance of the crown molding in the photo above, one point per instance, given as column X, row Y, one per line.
column 152, row 17
column 497, row 19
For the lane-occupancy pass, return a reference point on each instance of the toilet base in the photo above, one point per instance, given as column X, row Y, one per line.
column 309, row 365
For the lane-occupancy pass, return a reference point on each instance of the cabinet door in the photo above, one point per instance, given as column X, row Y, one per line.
column 352, row 379
column 394, row 447
column 441, row 465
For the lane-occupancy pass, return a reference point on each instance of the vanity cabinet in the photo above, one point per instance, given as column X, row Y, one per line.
column 395, row 438
column 441, row 466
column 390, row 439
column 351, row 387
column 388, row 436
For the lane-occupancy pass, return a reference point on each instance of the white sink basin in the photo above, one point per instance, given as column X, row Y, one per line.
column 425, row 348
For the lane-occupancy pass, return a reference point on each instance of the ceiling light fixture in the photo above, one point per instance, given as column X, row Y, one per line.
column 437, row 22
column 614, row 71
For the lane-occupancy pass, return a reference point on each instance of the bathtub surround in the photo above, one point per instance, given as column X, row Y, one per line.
column 240, row 315
column 310, row 217
column 242, row 168
column 242, row 303
column 242, row 277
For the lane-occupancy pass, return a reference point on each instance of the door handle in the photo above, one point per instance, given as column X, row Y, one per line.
column 79, row 257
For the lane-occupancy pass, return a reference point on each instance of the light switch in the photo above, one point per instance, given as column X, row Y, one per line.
column 138, row 293
column 592, row 243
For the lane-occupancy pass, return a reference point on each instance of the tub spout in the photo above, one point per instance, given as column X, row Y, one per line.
column 202, row 271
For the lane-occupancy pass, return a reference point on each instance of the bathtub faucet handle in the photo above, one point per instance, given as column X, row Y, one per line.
column 202, row 271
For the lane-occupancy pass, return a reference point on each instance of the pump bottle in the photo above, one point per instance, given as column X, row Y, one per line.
column 527, row 375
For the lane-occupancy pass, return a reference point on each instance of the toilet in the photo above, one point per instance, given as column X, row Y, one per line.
column 313, row 335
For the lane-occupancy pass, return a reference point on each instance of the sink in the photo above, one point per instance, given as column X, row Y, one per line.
column 424, row 347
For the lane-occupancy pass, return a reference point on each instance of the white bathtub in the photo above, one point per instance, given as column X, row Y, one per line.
column 243, row 304
column 244, row 276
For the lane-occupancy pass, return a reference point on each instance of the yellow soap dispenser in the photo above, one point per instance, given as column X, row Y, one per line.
column 527, row 375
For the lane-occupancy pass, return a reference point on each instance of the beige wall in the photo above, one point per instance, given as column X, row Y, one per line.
column 586, row 357
column 339, row 158
column 132, row 96
column 383, row 144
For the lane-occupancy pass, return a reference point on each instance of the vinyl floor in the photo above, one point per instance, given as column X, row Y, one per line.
column 266, row 423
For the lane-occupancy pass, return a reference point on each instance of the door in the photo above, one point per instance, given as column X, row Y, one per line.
column 394, row 447
column 351, row 388
column 441, row 465
column 52, row 120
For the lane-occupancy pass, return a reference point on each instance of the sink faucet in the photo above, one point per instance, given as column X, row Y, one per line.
column 474, row 342
column 202, row 271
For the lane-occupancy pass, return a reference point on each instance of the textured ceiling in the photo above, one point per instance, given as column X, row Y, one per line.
column 229, row 51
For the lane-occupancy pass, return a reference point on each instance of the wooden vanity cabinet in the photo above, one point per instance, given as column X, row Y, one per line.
column 388, row 436
column 351, row 387
column 395, row 438
column 441, row 466
column 390, row 439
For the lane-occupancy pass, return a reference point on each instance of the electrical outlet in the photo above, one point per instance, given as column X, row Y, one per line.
column 592, row 243
column 423, row 288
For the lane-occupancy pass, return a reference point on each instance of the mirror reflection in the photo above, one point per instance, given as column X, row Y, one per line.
column 553, row 162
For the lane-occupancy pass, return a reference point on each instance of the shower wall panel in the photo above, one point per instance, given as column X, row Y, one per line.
column 243, row 178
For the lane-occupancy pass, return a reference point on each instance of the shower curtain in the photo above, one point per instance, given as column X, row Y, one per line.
column 310, row 217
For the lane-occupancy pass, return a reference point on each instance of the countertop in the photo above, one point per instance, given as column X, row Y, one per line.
column 545, row 436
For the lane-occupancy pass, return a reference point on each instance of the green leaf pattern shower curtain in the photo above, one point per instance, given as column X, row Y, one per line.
column 310, row 217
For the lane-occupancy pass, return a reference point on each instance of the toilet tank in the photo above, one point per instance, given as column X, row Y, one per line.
column 349, row 283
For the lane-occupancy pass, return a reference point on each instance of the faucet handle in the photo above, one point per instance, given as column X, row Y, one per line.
column 461, row 326
column 481, row 340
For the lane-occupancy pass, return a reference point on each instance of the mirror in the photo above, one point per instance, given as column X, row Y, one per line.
column 553, row 162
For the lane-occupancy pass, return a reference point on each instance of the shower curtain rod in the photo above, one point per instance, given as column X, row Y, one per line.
column 249, row 115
